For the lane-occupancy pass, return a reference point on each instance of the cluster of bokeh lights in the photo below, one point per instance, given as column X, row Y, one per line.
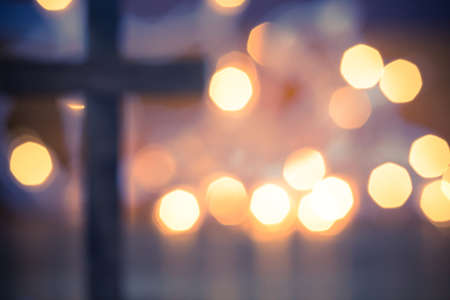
column 317, row 201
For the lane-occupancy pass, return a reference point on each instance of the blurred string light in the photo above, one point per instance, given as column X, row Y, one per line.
column 227, row 6
column 401, row 81
column 270, row 204
column 349, row 108
column 333, row 199
column 434, row 204
column 256, row 42
column 178, row 210
column 308, row 216
column 152, row 167
column 304, row 168
column 390, row 185
column 75, row 106
column 362, row 66
column 228, row 200
column 30, row 163
column 230, row 89
column 445, row 184
column 54, row 5
column 429, row 156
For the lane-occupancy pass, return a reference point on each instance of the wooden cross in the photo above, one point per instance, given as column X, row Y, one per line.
column 104, row 76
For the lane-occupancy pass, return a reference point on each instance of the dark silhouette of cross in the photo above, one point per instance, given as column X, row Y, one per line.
column 103, row 77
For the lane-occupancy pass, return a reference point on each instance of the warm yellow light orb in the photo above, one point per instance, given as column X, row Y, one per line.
column 429, row 156
column 333, row 198
column 75, row 106
column 308, row 216
column 390, row 185
column 349, row 108
column 362, row 66
column 179, row 210
column 228, row 200
column 304, row 168
column 229, row 3
column 152, row 167
column 30, row 163
column 445, row 184
column 54, row 5
column 270, row 204
column 230, row 89
column 401, row 81
column 434, row 204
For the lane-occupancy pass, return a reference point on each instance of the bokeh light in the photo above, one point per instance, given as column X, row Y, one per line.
column 429, row 156
column 228, row 200
column 333, row 198
column 390, row 185
column 179, row 210
column 362, row 66
column 75, row 106
column 304, row 168
column 152, row 167
column 227, row 7
column 230, row 89
column 434, row 204
column 308, row 216
column 30, row 163
column 445, row 184
column 256, row 42
column 349, row 108
column 270, row 204
column 54, row 5
column 401, row 81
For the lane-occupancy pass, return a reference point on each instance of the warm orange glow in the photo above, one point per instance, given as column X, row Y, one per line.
column 362, row 66
column 429, row 156
column 270, row 204
column 256, row 42
column 434, row 204
column 445, row 184
column 304, row 168
column 349, row 108
column 401, row 81
column 227, row 6
column 179, row 210
column 308, row 216
column 230, row 3
column 333, row 199
column 228, row 200
column 153, row 167
column 390, row 185
column 75, row 106
column 30, row 163
column 230, row 89
column 54, row 5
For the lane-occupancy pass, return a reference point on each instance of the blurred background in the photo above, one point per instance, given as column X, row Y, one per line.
column 313, row 165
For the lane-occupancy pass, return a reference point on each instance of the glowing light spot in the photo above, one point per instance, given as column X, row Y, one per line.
column 362, row 66
column 333, row 198
column 230, row 89
column 228, row 200
column 76, row 106
column 227, row 7
column 256, row 42
column 304, row 168
column 445, row 184
column 429, row 156
column 179, row 210
column 270, row 204
column 390, row 185
column 31, row 164
column 349, row 108
column 230, row 3
column 308, row 216
column 401, row 81
column 152, row 167
column 54, row 5
column 434, row 203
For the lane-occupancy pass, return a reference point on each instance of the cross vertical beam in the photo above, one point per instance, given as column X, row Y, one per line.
column 103, row 207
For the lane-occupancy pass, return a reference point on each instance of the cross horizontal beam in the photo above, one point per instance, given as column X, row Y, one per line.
column 19, row 77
